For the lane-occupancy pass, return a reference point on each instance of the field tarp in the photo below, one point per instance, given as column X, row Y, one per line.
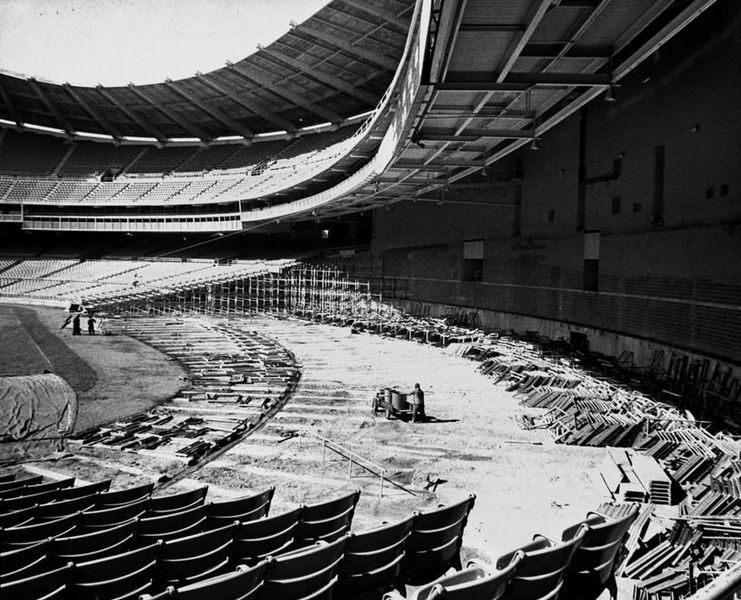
column 36, row 407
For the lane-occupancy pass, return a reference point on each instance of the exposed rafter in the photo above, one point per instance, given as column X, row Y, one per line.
column 254, row 76
column 314, row 73
column 172, row 115
column 51, row 106
column 372, row 8
column 471, row 134
column 251, row 105
column 213, row 112
column 519, row 82
column 351, row 48
column 94, row 113
column 138, row 119
column 540, row 7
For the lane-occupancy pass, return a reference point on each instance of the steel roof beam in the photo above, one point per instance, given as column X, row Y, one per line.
column 378, row 11
column 212, row 112
column 451, row 111
column 520, row 82
column 471, row 134
column 253, row 76
column 93, row 112
column 172, row 115
column 554, row 50
column 540, row 7
column 51, row 106
column 13, row 111
column 138, row 119
column 250, row 105
column 332, row 81
column 492, row 27
column 372, row 56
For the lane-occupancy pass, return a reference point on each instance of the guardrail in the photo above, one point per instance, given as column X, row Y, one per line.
column 353, row 459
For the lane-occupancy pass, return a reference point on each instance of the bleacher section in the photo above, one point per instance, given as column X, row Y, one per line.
column 184, row 174
column 101, row 279
column 62, row 541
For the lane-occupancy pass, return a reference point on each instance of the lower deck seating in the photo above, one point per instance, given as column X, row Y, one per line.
column 179, row 546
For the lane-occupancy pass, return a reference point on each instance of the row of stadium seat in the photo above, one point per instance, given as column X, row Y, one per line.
column 308, row 553
column 28, row 154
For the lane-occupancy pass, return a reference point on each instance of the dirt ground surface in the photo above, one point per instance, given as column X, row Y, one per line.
column 113, row 376
column 524, row 483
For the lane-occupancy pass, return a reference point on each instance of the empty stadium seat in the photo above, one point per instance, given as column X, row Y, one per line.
column 592, row 568
column 308, row 573
column 189, row 559
column 83, row 490
column 91, row 546
column 177, row 502
column 435, row 541
column 108, row 517
column 172, row 525
column 373, row 560
column 125, row 575
column 246, row 508
column 255, row 540
column 31, row 534
column 125, row 496
column 50, row 585
column 326, row 521
column 23, row 561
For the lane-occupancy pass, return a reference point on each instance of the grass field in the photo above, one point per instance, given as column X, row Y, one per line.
column 113, row 376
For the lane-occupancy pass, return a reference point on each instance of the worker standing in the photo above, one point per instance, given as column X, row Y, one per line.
column 418, row 404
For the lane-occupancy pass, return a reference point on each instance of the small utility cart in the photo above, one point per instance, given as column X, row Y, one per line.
column 393, row 403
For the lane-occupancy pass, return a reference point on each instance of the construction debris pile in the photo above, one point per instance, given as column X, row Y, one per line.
column 237, row 379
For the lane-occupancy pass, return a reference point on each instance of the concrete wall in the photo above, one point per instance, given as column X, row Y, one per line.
column 673, row 278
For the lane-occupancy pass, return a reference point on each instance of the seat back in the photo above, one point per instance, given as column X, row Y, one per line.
column 17, row 517
column 31, row 534
column 192, row 558
column 83, row 490
column 98, row 518
column 254, row 540
column 542, row 566
column 172, row 525
column 122, row 575
column 21, row 502
column 326, row 521
column 304, row 573
column 91, row 546
column 178, row 502
column 22, row 562
column 373, row 559
column 435, row 541
column 126, row 496
column 38, row 488
column 243, row 584
column 471, row 584
column 17, row 482
column 63, row 508
column 247, row 508
column 593, row 564
column 44, row 585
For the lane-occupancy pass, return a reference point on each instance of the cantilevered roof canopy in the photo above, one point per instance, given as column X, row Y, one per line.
column 335, row 65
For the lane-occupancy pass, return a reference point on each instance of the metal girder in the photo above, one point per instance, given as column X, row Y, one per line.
column 254, row 76
column 140, row 120
column 451, row 15
column 93, row 112
column 172, row 115
column 331, row 80
column 448, row 111
column 251, row 105
column 215, row 113
column 554, row 50
column 373, row 9
column 437, row 165
column 492, row 27
column 6, row 99
column 678, row 23
column 471, row 134
column 350, row 47
column 520, row 82
column 539, row 10
column 50, row 105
